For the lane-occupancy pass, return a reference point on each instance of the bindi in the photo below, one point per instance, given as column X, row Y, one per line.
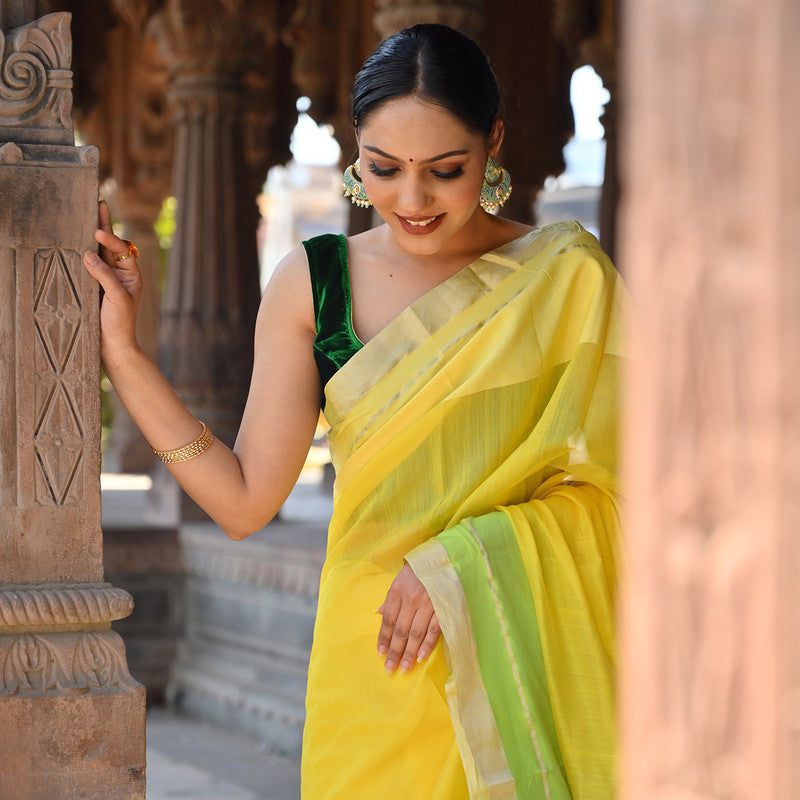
column 410, row 160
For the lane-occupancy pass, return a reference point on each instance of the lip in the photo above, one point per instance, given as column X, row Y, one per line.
column 406, row 223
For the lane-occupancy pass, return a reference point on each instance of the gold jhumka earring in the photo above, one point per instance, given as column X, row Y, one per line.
column 353, row 186
column 496, row 187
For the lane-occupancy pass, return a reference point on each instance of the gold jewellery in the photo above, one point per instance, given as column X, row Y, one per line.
column 189, row 451
column 354, row 187
column 496, row 187
column 132, row 251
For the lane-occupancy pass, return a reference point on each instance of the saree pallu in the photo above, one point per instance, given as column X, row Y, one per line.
column 475, row 438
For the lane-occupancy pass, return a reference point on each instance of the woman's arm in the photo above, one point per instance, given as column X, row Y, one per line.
column 241, row 489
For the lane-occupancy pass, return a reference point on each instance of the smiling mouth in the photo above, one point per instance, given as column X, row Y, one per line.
column 420, row 223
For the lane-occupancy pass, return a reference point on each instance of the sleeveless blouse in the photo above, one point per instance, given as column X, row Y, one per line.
column 335, row 341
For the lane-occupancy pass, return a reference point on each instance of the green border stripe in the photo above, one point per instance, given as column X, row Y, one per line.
column 485, row 554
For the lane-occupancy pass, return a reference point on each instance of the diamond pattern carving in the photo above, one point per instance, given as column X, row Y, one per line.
column 58, row 435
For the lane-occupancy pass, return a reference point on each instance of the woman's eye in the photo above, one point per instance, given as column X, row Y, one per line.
column 454, row 173
column 381, row 173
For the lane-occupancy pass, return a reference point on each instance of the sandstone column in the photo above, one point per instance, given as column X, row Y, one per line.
column 711, row 244
column 212, row 290
column 72, row 716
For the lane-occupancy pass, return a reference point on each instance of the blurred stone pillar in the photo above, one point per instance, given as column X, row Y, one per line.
column 212, row 289
column 711, row 246
column 72, row 717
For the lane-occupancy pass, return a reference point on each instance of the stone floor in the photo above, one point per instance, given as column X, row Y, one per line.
column 192, row 760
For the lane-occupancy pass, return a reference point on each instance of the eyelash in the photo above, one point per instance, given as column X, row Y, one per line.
column 387, row 173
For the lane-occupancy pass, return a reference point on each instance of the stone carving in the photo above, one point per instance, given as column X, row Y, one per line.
column 58, row 436
column 71, row 604
column 62, row 663
column 30, row 663
column 97, row 665
column 73, row 717
column 36, row 78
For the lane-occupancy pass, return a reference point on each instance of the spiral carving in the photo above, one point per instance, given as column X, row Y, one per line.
column 69, row 605
column 36, row 79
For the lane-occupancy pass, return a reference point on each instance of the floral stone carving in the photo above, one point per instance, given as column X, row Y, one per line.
column 36, row 77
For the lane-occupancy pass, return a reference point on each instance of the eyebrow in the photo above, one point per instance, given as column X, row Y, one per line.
column 380, row 152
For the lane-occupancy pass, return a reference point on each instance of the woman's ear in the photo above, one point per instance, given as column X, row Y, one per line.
column 496, row 137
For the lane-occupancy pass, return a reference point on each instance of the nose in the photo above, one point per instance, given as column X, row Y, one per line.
column 414, row 196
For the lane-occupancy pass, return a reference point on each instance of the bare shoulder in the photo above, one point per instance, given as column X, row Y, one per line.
column 366, row 245
column 287, row 297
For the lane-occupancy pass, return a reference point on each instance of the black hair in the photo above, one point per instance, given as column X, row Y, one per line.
column 437, row 64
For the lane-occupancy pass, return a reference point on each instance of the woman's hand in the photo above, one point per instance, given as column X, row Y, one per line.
column 409, row 629
column 121, row 282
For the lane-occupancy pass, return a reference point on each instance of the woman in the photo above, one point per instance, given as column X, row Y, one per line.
column 467, row 367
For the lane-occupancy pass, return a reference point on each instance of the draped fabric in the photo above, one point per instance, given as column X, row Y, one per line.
column 475, row 438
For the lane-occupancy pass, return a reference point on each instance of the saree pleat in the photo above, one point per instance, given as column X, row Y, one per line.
column 474, row 438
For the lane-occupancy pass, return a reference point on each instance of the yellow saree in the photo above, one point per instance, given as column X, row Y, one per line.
column 475, row 438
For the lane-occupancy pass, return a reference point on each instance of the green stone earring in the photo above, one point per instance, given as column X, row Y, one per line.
column 353, row 186
column 496, row 187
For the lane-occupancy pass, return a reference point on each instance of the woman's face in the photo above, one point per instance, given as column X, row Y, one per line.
column 423, row 169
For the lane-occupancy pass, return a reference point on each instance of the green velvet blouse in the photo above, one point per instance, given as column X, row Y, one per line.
column 336, row 341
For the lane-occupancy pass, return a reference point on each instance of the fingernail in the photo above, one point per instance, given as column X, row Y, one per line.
column 390, row 666
column 405, row 666
column 422, row 656
column 91, row 257
column 382, row 649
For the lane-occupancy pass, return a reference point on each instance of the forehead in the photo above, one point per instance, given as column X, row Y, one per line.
column 408, row 127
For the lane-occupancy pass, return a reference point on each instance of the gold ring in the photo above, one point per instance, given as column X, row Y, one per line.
column 132, row 251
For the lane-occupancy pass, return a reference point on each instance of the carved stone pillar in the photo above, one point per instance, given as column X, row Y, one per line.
column 710, row 242
column 72, row 717
column 212, row 289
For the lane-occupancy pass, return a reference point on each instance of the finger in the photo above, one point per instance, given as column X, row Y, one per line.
column 115, row 246
column 416, row 636
column 431, row 638
column 399, row 640
column 103, row 274
column 104, row 216
column 388, row 611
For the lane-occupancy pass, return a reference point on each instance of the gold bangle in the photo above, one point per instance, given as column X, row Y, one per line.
column 191, row 450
